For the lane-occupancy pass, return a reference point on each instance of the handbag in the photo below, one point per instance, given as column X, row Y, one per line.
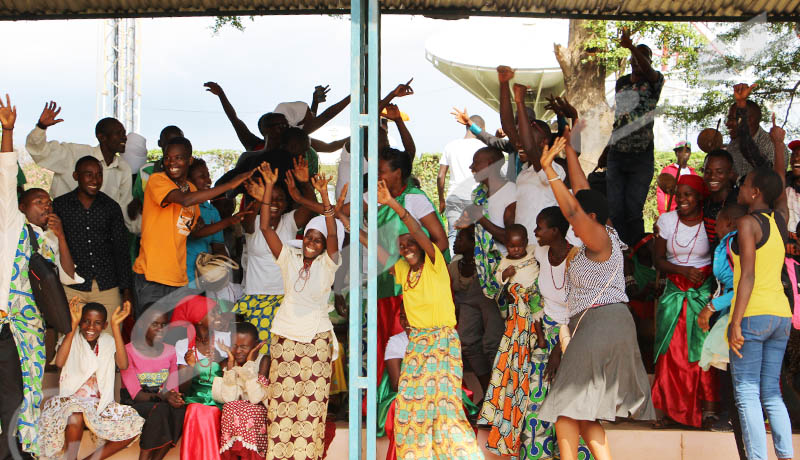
column 564, row 334
column 214, row 270
column 48, row 292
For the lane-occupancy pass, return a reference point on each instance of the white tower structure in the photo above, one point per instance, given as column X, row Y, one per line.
column 119, row 72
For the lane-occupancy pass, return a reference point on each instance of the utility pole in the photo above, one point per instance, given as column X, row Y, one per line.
column 119, row 72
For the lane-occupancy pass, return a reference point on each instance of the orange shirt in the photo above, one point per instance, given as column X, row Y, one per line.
column 165, row 227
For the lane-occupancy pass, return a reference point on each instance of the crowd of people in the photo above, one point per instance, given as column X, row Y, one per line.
column 536, row 278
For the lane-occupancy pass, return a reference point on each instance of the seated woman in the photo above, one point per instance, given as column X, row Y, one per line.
column 242, row 388
column 150, row 385
column 198, row 364
column 86, row 388
column 681, row 389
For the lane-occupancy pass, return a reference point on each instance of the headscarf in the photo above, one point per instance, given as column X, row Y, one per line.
column 318, row 224
column 190, row 311
column 295, row 112
column 695, row 182
column 135, row 151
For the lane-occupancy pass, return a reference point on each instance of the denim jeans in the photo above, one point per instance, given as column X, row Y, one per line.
column 628, row 178
column 453, row 209
column 756, row 377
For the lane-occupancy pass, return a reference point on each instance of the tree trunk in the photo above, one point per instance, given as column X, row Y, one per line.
column 586, row 90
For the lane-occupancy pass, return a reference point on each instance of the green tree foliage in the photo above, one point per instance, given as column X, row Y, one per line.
column 767, row 54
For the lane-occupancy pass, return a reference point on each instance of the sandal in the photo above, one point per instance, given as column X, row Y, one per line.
column 663, row 423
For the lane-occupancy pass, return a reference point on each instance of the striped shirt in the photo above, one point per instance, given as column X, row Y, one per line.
column 589, row 284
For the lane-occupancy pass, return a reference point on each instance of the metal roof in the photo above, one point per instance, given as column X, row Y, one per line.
column 713, row 10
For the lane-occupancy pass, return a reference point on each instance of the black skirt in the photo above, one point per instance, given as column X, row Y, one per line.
column 163, row 423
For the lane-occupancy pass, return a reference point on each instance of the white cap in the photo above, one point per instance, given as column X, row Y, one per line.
column 135, row 151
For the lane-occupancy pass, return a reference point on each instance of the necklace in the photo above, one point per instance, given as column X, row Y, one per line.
column 692, row 241
column 412, row 282
column 304, row 274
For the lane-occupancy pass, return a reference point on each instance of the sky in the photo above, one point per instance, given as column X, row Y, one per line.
column 276, row 58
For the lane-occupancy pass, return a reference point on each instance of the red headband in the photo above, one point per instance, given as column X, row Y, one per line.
column 190, row 311
column 696, row 183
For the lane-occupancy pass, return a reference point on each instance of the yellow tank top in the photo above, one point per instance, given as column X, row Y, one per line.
column 768, row 297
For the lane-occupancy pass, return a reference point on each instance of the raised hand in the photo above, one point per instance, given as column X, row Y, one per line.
column 190, row 358
column 392, row 113
column 741, row 92
column 49, row 114
column 504, row 73
column 549, row 153
column 519, row 92
column 384, row 196
column 254, row 188
column 625, row 39
column 461, row 117
column 120, row 313
column 552, row 104
column 291, row 185
column 320, row 183
column 776, row 133
column 403, row 90
column 300, row 168
column 226, row 349
column 8, row 114
column 321, row 93
column 75, row 311
column 270, row 176
column 244, row 212
column 254, row 352
column 340, row 201
column 213, row 88
column 240, row 178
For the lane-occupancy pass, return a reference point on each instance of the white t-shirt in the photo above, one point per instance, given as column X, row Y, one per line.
column 343, row 172
column 416, row 204
column 498, row 202
column 396, row 347
column 552, row 286
column 533, row 195
column 688, row 247
column 457, row 156
column 182, row 346
column 262, row 276
column 304, row 310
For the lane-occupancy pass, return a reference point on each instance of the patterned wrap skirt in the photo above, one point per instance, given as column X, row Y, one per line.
column 259, row 310
column 117, row 422
column 429, row 418
column 243, row 431
column 538, row 438
column 506, row 402
column 297, row 397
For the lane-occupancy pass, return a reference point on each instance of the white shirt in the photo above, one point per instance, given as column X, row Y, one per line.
column 793, row 202
column 343, row 172
column 416, row 204
column 688, row 247
column 304, row 310
column 182, row 346
column 262, row 276
column 60, row 157
column 498, row 202
column 533, row 195
column 396, row 347
column 457, row 156
column 11, row 222
column 552, row 286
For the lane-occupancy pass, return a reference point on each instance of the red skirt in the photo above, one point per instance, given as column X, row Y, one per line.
column 201, row 433
column 680, row 387
column 244, row 429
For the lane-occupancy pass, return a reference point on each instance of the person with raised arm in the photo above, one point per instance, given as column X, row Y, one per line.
column 170, row 214
column 434, row 350
column 302, row 333
column 60, row 157
column 600, row 375
column 22, row 352
column 85, row 399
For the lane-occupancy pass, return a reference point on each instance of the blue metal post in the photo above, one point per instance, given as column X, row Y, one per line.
column 364, row 64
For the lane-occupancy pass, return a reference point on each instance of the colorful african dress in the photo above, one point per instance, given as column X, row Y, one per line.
column 505, row 405
column 487, row 256
column 429, row 418
column 259, row 310
column 25, row 323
